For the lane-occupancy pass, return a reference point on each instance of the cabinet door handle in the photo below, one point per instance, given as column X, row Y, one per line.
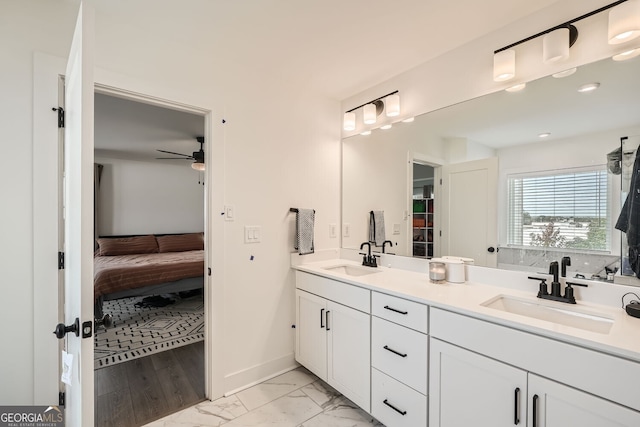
column 327, row 319
column 535, row 410
column 395, row 310
column 394, row 352
column 394, row 408
column 516, row 406
column 322, row 318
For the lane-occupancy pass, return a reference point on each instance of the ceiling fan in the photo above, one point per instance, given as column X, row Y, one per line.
column 197, row 156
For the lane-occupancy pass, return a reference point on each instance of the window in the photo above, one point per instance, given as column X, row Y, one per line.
column 560, row 209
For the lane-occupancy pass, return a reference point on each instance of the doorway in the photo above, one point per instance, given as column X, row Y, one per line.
column 423, row 210
column 149, row 347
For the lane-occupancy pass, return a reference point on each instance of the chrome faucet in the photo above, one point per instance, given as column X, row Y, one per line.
column 368, row 260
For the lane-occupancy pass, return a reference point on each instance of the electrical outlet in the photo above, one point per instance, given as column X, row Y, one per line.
column 346, row 230
column 333, row 231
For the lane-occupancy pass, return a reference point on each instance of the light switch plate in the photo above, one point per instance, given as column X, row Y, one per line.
column 396, row 229
column 252, row 234
column 346, row 230
column 229, row 212
column 333, row 231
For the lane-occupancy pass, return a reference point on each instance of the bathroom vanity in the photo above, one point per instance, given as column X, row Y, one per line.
column 415, row 353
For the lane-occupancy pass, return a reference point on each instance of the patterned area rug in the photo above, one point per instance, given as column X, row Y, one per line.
column 142, row 331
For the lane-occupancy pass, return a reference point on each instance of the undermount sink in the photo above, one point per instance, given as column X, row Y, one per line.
column 567, row 316
column 352, row 270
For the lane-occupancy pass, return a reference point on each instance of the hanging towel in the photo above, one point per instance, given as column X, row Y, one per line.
column 376, row 228
column 629, row 219
column 304, row 231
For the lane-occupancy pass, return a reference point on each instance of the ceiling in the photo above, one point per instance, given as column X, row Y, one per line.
column 334, row 47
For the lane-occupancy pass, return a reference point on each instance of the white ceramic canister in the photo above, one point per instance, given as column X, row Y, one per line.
column 454, row 270
column 466, row 262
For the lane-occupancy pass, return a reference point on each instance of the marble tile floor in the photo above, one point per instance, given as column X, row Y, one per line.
column 294, row 399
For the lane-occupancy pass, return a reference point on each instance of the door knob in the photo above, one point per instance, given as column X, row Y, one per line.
column 491, row 249
column 62, row 330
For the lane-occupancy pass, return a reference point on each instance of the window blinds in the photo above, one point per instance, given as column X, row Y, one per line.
column 559, row 209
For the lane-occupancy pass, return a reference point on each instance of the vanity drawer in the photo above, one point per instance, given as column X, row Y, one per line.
column 401, row 311
column 400, row 352
column 395, row 404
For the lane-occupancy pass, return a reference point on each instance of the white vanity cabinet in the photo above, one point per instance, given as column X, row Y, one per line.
column 470, row 385
column 333, row 334
column 399, row 361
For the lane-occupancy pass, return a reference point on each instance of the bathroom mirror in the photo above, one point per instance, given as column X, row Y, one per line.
column 583, row 127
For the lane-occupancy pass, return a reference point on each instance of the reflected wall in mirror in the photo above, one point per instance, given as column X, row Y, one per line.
column 583, row 127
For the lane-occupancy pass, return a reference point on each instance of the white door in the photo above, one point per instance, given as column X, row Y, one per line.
column 79, row 88
column 556, row 405
column 468, row 389
column 311, row 335
column 349, row 353
column 469, row 206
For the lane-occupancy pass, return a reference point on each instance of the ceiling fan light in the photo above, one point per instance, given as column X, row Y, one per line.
column 555, row 46
column 624, row 22
column 392, row 105
column 504, row 65
column 349, row 121
column 370, row 114
column 199, row 166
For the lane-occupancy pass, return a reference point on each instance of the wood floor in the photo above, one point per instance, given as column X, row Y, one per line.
column 137, row 392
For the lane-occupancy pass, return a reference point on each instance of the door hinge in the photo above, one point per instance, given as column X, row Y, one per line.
column 60, row 260
column 61, row 398
column 60, row 111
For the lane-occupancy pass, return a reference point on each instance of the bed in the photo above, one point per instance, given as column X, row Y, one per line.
column 126, row 266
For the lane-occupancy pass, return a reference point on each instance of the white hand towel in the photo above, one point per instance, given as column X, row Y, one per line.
column 304, row 231
column 376, row 228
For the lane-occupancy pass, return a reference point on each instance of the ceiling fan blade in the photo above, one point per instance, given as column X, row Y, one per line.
column 177, row 154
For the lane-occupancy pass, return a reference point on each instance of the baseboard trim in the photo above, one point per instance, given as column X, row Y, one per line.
column 240, row 380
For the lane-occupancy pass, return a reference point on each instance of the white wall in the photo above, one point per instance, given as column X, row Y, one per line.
column 142, row 197
column 281, row 149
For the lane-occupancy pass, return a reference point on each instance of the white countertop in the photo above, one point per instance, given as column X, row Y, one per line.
column 623, row 339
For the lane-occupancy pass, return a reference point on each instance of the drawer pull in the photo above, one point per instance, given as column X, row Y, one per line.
column 516, row 407
column 535, row 410
column 394, row 352
column 326, row 319
column 395, row 310
column 322, row 318
column 394, row 408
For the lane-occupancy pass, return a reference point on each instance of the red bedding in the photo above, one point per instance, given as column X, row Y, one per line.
column 122, row 272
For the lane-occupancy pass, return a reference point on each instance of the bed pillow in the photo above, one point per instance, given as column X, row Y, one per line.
column 180, row 242
column 109, row 246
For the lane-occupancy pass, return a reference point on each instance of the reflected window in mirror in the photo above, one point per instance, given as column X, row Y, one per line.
column 566, row 210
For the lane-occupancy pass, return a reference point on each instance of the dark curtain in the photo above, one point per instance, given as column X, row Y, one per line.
column 97, row 175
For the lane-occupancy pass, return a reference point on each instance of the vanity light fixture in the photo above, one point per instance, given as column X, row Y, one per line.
column 516, row 88
column 504, row 65
column 392, row 105
column 624, row 22
column 199, row 166
column 565, row 73
column 557, row 40
column 349, row 121
column 372, row 109
column 589, row 87
column 626, row 55
column 556, row 44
